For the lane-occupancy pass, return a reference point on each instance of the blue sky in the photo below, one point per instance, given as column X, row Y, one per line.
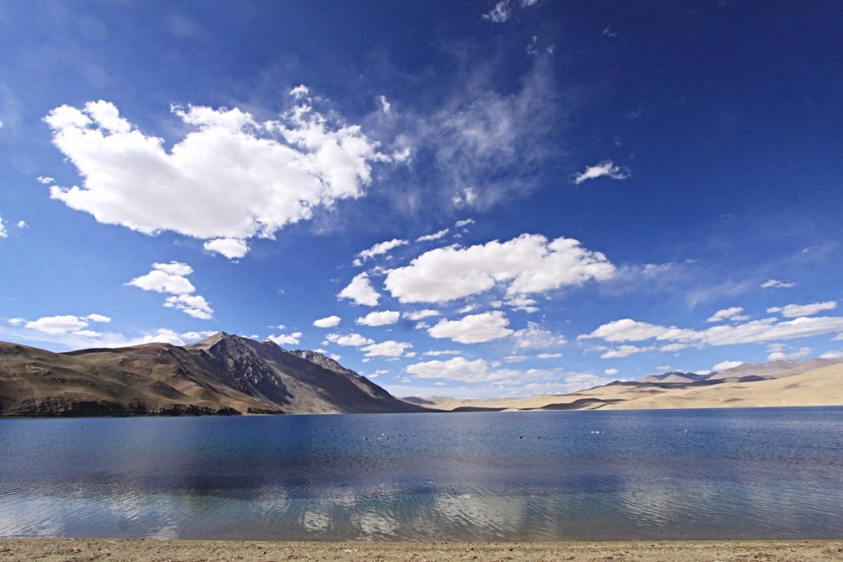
column 465, row 199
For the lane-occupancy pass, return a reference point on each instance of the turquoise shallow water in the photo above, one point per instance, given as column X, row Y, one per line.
column 694, row 474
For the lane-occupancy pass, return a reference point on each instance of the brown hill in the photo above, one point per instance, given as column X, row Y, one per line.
column 223, row 374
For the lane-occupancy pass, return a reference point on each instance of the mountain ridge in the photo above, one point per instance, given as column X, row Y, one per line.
column 223, row 374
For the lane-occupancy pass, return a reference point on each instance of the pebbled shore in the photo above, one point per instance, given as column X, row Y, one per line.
column 89, row 550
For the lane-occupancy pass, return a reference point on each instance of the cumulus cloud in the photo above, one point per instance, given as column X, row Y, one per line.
column 232, row 248
column 386, row 349
column 776, row 284
column 171, row 278
column 798, row 310
column 349, row 340
column 45, row 180
column 548, row 355
column 3, row 232
column 360, row 291
column 379, row 249
column 232, row 177
column 527, row 264
column 383, row 318
column 327, row 322
column 286, row 339
column 611, row 372
column 733, row 313
column 604, row 169
column 56, row 325
column 475, row 328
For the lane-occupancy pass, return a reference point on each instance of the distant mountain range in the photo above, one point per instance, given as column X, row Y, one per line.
column 815, row 382
column 229, row 375
column 223, row 374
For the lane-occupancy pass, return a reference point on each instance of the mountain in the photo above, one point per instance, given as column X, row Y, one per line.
column 223, row 374
column 814, row 382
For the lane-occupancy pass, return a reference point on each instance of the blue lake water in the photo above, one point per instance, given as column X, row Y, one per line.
column 681, row 474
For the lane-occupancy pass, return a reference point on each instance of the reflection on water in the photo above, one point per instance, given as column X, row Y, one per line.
column 774, row 473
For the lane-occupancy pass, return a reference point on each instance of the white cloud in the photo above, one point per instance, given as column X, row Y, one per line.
column 583, row 381
column 625, row 329
column 548, row 355
column 458, row 369
column 193, row 305
column 16, row 321
column 434, row 236
column 798, row 310
column 527, row 264
column 419, row 314
column 380, row 249
column 625, row 351
column 533, row 337
column 383, row 318
column 3, row 232
column 232, row 248
column 757, row 331
column 171, row 278
column 21, row 224
column 780, row 352
column 56, row 325
column 45, row 180
column 193, row 336
column 502, row 10
column 522, row 303
column 385, row 107
column 166, row 278
column 360, row 291
column 732, row 312
column 604, row 169
column 463, row 223
column 475, row 328
column 349, row 340
column 832, row 355
column 286, row 339
column 611, row 372
column 776, row 284
column 438, row 353
column 327, row 322
column 726, row 365
column 232, row 177
column 386, row 349
column 500, row 13
column 98, row 318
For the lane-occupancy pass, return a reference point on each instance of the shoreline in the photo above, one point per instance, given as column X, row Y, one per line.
column 156, row 550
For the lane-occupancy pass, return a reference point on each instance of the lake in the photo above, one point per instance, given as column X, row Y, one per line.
column 594, row 475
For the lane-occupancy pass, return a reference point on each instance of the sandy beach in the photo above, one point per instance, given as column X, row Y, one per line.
column 89, row 550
